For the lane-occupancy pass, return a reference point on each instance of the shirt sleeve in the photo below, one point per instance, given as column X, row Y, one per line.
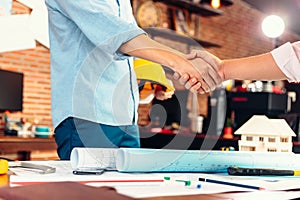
column 100, row 22
column 287, row 57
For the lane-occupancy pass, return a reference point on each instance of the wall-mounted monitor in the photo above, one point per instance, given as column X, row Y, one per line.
column 11, row 91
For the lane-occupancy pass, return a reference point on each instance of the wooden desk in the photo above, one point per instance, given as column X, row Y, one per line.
column 24, row 146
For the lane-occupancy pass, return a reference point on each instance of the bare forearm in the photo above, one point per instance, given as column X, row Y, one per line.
column 261, row 67
column 144, row 47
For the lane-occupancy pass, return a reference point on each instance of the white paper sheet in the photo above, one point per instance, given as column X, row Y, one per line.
column 39, row 24
column 141, row 185
column 15, row 33
column 64, row 172
column 30, row 3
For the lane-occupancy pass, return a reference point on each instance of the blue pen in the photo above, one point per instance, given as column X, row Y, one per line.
column 231, row 184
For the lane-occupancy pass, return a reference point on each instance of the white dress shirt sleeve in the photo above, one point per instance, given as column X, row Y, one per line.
column 287, row 57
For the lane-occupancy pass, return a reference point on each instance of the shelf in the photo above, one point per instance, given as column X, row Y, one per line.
column 197, row 8
column 227, row 2
column 172, row 35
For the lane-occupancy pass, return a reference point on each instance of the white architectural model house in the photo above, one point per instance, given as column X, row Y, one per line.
column 260, row 133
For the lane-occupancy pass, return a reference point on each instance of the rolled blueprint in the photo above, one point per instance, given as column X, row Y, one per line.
column 169, row 160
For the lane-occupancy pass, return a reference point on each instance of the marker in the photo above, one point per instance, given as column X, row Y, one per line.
column 239, row 171
column 230, row 184
column 187, row 183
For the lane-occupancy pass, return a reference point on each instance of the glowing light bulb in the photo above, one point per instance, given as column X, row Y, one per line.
column 273, row 26
column 215, row 3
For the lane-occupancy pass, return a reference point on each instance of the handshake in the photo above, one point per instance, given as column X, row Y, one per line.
column 204, row 73
column 201, row 71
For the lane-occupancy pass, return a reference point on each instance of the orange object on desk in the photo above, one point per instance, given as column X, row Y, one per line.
column 4, row 180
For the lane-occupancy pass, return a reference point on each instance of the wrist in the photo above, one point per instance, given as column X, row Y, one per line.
column 222, row 70
column 177, row 62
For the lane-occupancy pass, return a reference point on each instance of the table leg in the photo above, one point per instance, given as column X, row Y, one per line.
column 23, row 155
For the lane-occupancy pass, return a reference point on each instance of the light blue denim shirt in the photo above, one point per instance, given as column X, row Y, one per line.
column 89, row 78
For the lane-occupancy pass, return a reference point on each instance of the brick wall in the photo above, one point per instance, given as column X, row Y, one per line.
column 237, row 31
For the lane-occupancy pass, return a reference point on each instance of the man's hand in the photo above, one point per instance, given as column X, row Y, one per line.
column 210, row 59
column 202, row 77
column 209, row 66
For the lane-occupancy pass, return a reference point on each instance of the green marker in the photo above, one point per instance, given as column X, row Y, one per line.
column 187, row 183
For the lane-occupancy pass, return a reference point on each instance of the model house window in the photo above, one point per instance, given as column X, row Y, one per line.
column 249, row 138
column 247, row 148
column 261, row 139
column 251, row 148
column 271, row 139
column 284, row 139
column 272, row 150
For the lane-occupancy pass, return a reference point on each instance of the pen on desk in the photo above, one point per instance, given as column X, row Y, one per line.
column 95, row 172
column 240, row 171
column 231, row 184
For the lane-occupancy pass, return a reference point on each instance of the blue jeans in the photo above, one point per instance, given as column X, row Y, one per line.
column 73, row 132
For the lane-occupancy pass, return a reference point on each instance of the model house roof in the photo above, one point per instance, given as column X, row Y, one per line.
column 262, row 125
